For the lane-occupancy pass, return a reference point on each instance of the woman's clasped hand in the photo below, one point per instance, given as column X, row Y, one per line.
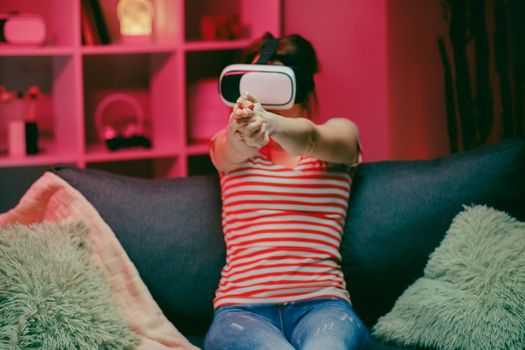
column 249, row 123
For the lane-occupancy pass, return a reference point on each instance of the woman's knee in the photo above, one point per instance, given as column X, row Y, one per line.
column 334, row 324
column 235, row 330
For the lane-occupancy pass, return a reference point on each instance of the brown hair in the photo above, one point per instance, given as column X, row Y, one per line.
column 292, row 50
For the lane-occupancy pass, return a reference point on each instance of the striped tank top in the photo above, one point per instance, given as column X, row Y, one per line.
column 283, row 228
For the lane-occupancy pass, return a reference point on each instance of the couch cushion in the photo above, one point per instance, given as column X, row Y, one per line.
column 471, row 296
column 53, row 295
column 171, row 230
column 400, row 211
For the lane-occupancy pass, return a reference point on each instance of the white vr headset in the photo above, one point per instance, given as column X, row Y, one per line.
column 275, row 86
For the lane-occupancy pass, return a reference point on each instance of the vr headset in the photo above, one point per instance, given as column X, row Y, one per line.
column 275, row 86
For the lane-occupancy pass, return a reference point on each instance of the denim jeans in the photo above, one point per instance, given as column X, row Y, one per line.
column 328, row 323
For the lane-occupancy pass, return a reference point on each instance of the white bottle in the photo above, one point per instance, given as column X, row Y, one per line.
column 17, row 129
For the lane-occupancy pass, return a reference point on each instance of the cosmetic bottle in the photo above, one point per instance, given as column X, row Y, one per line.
column 31, row 127
column 16, row 128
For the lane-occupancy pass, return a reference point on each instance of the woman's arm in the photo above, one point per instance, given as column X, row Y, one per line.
column 336, row 141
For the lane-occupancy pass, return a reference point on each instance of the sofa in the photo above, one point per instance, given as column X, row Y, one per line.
column 399, row 211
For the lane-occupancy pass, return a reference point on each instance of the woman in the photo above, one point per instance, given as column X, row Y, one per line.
column 285, row 185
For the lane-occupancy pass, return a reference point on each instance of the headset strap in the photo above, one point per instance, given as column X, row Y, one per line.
column 267, row 51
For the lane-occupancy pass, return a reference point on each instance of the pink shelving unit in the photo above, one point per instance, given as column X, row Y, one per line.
column 160, row 75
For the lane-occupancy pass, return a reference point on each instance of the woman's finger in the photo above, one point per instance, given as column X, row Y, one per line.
column 249, row 97
column 244, row 113
column 238, row 135
column 262, row 136
column 238, row 113
column 258, row 139
column 247, row 112
column 252, row 127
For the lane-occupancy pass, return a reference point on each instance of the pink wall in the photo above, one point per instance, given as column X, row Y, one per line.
column 350, row 39
column 380, row 68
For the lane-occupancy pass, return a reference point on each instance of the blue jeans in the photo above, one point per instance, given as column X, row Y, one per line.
column 328, row 323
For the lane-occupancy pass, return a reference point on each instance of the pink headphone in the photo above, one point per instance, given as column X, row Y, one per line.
column 133, row 132
column 107, row 131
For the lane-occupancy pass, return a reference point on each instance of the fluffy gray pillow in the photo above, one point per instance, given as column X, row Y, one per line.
column 52, row 296
column 472, row 294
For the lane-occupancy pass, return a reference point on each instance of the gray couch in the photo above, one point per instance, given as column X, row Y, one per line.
column 398, row 213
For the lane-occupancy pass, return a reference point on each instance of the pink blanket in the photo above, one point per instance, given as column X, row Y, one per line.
column 51, row 198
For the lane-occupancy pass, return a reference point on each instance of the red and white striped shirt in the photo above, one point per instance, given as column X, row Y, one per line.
column 283, row 227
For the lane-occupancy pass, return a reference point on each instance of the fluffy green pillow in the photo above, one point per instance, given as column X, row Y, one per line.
column 52, row 296
column 472, row 294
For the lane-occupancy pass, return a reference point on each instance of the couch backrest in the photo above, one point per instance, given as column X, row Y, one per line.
column 398, row 213
column 14, row 182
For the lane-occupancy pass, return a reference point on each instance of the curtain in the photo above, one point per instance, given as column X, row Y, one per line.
column 483, row 56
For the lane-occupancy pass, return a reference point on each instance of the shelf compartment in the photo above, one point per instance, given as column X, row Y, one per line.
column 165, row 31
column 206, row 112
column 149, row 79
column 61, row 19
column 57, row 112
column 255, row 17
